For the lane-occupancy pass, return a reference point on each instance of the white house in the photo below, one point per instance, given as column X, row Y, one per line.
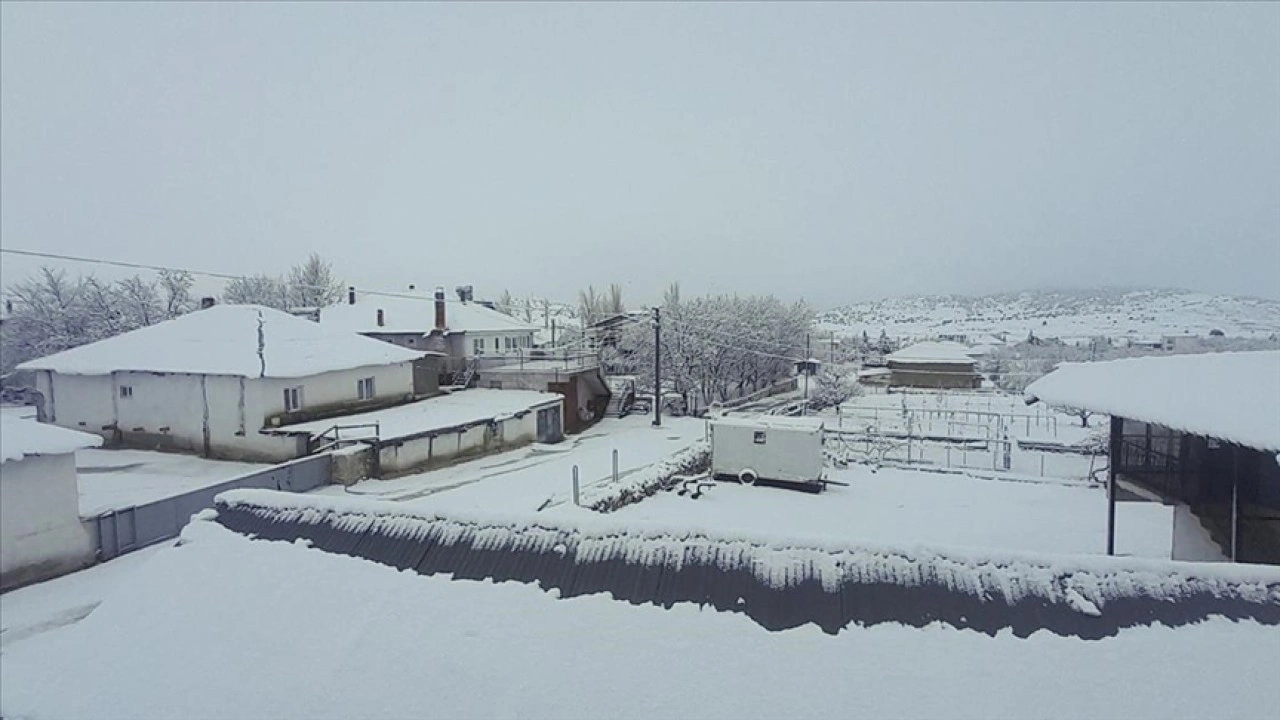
column 209, row 381
column 40, row 531
column 462, row 329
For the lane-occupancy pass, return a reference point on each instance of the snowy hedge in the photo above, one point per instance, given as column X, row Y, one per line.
column 609, row 496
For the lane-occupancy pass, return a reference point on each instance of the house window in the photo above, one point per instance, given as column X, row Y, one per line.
column 126, row 391
column 364, row 388
column 759, row 437
column 478, row 346
column 506, row 344
column 496, row 345
column 293, row 399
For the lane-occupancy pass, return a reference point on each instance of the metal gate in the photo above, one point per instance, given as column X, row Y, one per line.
column 549, row 425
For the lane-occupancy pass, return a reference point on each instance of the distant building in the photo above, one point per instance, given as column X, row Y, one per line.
column 1200, row 432
column 41, row 535
column 460, row 329
column 209, row 381
column 933, row 365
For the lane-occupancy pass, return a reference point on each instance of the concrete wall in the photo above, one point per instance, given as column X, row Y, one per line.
column 212, row 415
column 441, row 447
column 40, row 531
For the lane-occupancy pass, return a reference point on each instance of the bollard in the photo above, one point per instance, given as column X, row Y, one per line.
column 1041, row 464
column 615, row 465
column 576, row 500
column 948, row 457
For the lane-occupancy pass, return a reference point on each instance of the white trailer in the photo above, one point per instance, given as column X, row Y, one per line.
column 769, row 449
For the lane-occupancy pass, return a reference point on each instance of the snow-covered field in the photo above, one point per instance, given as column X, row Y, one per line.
column 526, row 479
column 226, row 627
column 911, row 507
column 113, row 479
column 1066, row 315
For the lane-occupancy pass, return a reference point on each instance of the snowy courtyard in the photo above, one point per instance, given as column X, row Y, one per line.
column 117, row 479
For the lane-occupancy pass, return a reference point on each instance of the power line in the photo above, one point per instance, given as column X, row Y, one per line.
column 208, row 273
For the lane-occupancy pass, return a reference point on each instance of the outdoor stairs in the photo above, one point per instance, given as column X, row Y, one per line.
column 622, row 396
column 466, row 375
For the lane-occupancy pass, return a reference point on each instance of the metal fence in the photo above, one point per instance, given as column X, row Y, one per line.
column 124, row 530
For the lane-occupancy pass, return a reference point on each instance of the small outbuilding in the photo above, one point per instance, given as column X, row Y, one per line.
column 933, row 365
column 40, row 531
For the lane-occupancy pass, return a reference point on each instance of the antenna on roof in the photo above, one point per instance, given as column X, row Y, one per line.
column 262, row 348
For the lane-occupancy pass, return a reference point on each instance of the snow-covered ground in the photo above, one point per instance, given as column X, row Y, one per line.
column 531, row 477
column 911, row 507
column 113, row 479
column 1066, row 315
column 443, row 411
column 226, row 627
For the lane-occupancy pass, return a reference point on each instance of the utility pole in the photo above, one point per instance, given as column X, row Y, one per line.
column 831, row 357
column 553, row 332
column 657, row 367
column 804, row 409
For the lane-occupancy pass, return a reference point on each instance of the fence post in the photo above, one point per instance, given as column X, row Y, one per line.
column 615, row 465
column 1041, row 464
column 576, row 500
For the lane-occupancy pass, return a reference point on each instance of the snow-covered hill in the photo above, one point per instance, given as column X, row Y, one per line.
column 1063, row 314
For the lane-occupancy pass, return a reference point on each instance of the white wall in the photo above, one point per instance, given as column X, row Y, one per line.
column 389, row 381
column 425, row 452
column 169, row 410
column 489, row 337
column 40, row 531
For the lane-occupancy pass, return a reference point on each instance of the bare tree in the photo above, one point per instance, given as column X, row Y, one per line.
column 176, row 287
column 613, row 304
column 312, row 284
column 257, row 290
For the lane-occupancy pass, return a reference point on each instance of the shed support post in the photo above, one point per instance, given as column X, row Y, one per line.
column 1117, row 424
column 1235, row 503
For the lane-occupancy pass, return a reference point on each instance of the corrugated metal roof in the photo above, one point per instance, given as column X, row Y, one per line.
column 778, row 588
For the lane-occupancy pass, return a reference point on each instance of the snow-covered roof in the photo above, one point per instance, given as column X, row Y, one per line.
column 774, row 422
column 20, row 437
column 944, row 352
column 416, row 313
column 444, row 411
column 1230, row 396
column 223, row 340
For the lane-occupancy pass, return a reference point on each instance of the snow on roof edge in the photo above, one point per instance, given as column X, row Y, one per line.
column 23, row 437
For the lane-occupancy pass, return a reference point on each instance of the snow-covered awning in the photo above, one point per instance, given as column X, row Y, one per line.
column 1234, row 397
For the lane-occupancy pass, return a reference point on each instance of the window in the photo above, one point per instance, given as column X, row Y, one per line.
column 126, row 391
column 759, row 437
column 496, row 345
column 478, row 346
column 293, row 399
column 506, row 344
column 364, row 388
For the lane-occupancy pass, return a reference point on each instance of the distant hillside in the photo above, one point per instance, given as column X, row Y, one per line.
column 1062, row 314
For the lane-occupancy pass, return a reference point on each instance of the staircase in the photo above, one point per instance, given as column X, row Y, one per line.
column 622, row 396
column 466, row 374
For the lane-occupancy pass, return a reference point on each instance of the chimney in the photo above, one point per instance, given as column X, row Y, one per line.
column 351, row 295
column 381, row 318
column 207, row 302
column 440, row 324
column 412, row 287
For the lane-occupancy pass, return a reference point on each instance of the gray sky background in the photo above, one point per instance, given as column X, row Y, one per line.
column 833, row 151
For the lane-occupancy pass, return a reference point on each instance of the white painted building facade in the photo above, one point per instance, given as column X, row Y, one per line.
column 198, row 383
column 41, row 535
column 469, row 329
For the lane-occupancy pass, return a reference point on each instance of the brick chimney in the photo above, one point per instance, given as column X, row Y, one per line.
column 382, row 319
column 351, row 295
column 440, row 323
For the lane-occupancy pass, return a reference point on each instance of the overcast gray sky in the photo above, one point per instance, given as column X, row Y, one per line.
column 831, row 151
